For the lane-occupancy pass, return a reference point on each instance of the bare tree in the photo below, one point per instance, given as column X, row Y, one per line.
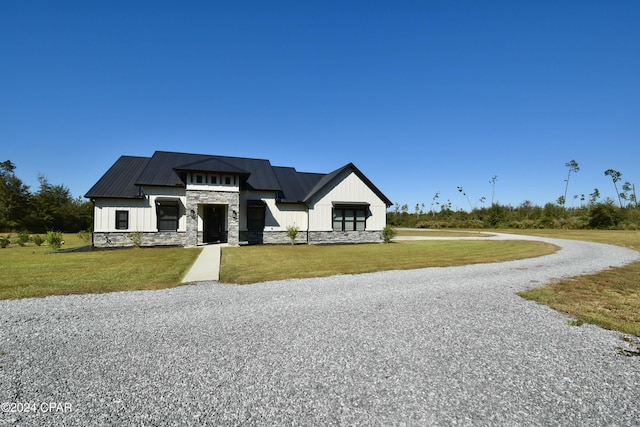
column 593, row 197
column 434, row 201
column 460, row 189
column 629, row 193
column 615, row 177
column 493, row 181
column 573, row 167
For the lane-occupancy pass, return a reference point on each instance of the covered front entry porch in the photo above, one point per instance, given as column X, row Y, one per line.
column 212, row 217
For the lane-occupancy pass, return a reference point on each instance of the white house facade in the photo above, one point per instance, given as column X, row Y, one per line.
column 181, row 199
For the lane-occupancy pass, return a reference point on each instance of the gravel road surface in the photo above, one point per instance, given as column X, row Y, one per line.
column 439, row 346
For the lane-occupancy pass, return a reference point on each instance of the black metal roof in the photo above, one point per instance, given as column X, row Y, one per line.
column 126, row 177
column 295, row 185
column 119, row 180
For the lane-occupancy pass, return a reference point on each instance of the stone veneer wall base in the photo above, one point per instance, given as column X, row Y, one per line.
column 169, row 238
column 123, row 239
column 315, row 237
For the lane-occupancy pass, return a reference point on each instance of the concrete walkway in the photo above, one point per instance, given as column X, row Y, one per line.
column 207, row 265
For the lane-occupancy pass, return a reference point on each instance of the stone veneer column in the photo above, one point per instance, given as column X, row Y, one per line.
column 203, row 197
column 192, row 223
column 233, row 235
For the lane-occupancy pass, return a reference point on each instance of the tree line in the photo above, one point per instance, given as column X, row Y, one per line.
column 51, row 207
column 601, row 215
column 591, row 212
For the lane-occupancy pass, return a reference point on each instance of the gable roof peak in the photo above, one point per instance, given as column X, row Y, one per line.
column 330, row 177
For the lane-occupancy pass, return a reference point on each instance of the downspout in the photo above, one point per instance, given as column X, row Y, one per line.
column 307, row 209
column 93, row 223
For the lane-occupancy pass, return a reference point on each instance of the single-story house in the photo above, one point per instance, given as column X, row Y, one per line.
column 182, row 199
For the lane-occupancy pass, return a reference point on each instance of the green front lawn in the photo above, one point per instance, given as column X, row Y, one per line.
column 33, row 271
column 262, row 263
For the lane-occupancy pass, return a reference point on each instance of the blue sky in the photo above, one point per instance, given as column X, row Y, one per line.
column 423, row 96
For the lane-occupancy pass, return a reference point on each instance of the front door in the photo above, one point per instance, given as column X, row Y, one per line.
column 214, row 223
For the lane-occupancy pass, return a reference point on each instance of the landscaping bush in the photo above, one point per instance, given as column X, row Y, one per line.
column 388, row 233
column 23, row 238
column 38, row 240
column 292, row 233
column 54, row 239
column 136, row 238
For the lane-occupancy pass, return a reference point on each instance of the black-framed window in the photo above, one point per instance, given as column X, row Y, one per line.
column 122, row 220
column 255, row 216
column 349, row 218
column 168, row 216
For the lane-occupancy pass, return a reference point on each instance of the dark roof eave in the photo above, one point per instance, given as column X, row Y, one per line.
column 97, row 196
column 331, row 176
column 149, row 184
column 291, row 202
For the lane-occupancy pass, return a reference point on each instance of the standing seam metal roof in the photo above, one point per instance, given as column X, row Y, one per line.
column 162, row 167
column 128, row 174
column 119, row 180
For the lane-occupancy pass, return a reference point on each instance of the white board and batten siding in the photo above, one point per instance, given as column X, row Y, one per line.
column 142, row 212
column 277, row 216
column 350, row 188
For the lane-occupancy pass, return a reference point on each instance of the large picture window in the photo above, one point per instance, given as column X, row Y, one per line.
column 122, row 220
column 255, row 216
column 349, row 218
column 168, row 215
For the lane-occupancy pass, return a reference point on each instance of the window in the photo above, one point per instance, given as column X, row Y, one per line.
column 197, row 178
column 255, row 216
column 349, row 218
column 122, row 220
column 168, row 216
column 227, row 180
column 213, row 179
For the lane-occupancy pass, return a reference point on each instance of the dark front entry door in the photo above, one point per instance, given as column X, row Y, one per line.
column 214, row 222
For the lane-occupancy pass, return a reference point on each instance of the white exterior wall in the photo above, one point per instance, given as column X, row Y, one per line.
column 349, row 189
column 292, row 215
column 278, row 216
column 142, row 212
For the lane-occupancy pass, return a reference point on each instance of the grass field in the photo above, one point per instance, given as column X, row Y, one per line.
column 36, row 271
column 300, row 261
column 610, row 299
column 442, row 233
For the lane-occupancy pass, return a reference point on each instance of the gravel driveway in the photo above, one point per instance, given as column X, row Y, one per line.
column 438, row 346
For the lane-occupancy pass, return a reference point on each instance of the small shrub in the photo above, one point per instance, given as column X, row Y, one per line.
column 4, row 242
column 136, row 238
column 292, row 233
column 388, row 233
column 38, row 240
column 23, row 238
column 54, row 239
